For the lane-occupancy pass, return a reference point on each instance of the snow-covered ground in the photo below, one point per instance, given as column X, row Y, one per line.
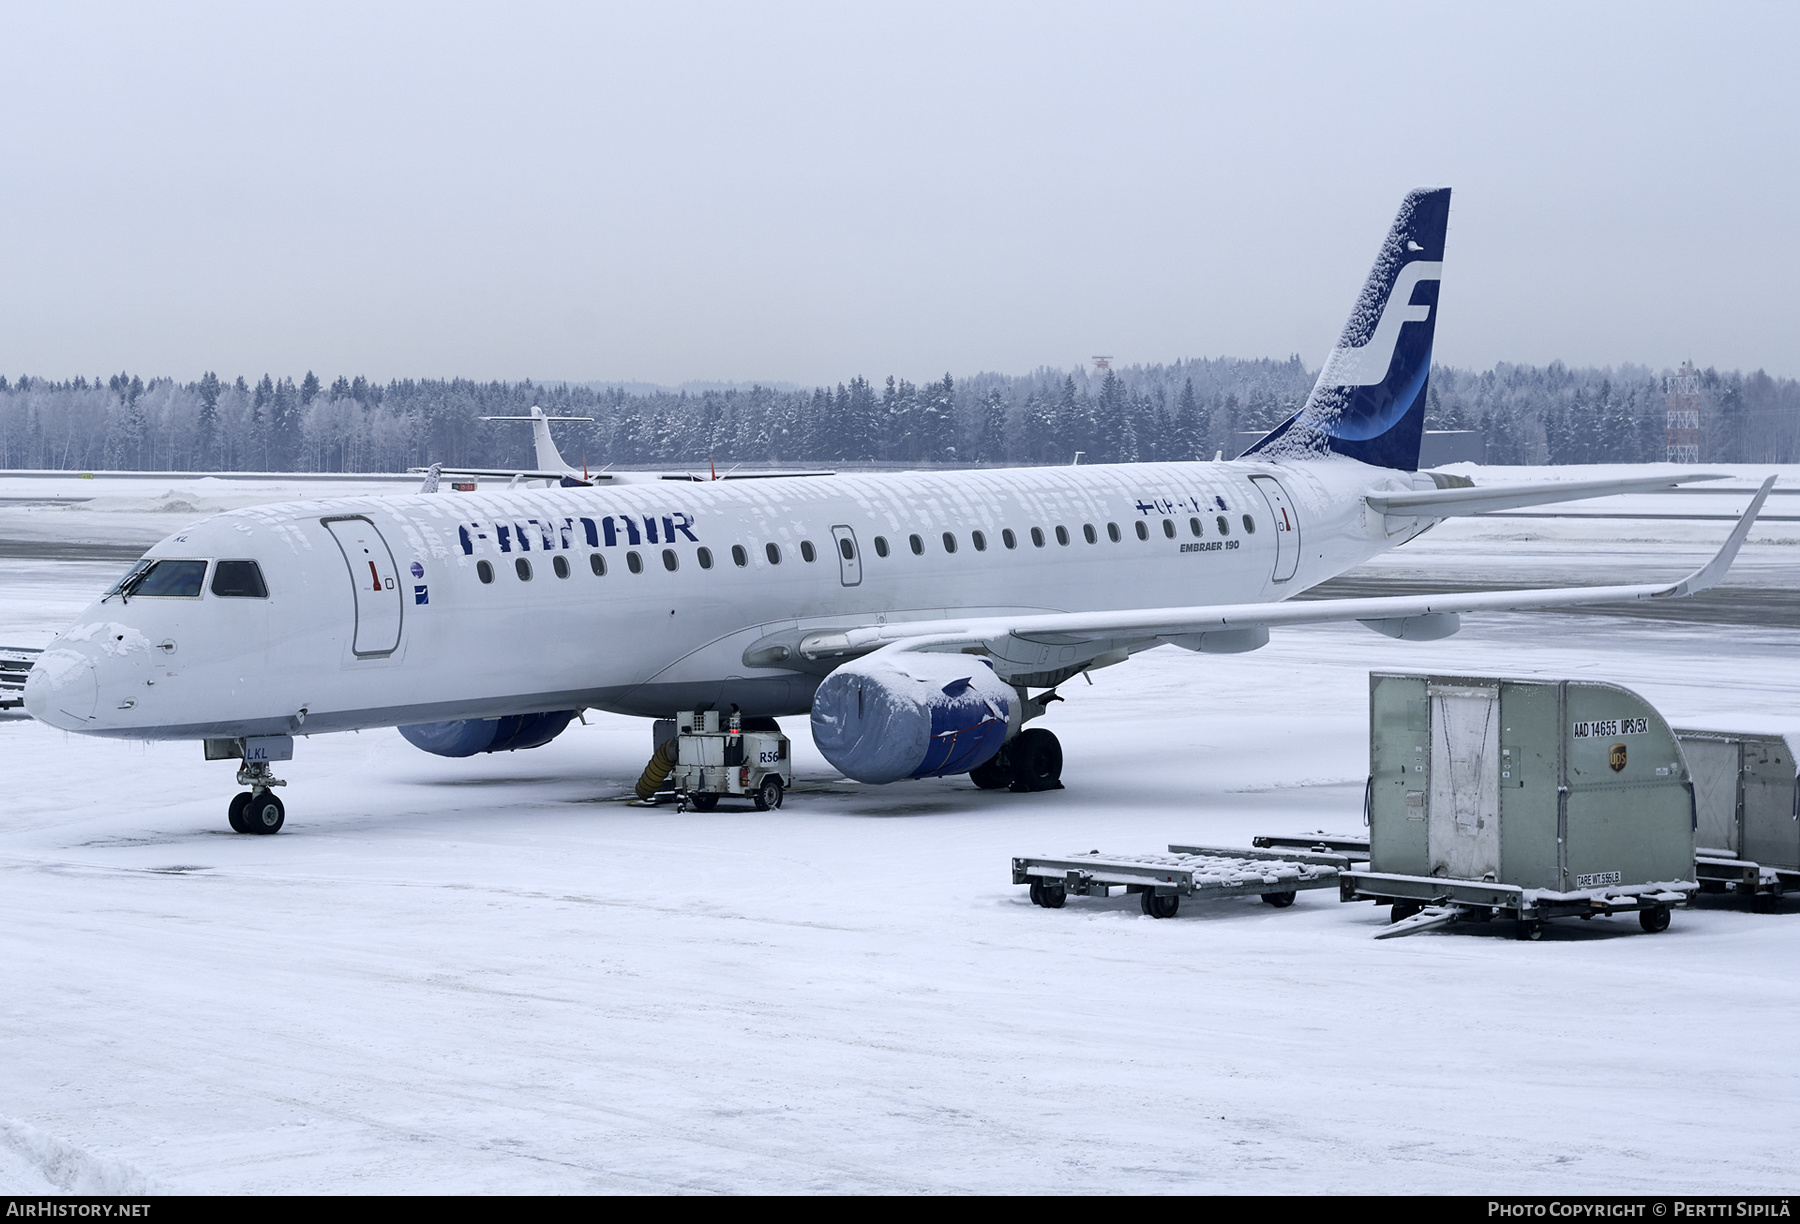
column 498, row 975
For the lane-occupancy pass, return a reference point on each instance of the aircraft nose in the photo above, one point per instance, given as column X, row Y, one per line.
column 62, row 689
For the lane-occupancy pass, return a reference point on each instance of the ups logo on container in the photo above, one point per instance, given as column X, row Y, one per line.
column 1615, row 756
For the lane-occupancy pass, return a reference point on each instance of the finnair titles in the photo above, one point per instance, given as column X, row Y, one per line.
column 922, row 620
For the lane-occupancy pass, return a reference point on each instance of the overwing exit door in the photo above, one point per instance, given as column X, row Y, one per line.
column 849, row 556
column 1287, row 526
column 375, row 580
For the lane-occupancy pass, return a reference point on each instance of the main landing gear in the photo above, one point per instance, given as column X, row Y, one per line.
column 1030, row 761
column 257, row 810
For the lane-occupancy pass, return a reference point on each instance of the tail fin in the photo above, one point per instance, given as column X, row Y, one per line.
column 1369, row 402
column 549, row 459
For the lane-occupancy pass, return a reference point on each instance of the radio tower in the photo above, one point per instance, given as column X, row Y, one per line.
column 1684, row 415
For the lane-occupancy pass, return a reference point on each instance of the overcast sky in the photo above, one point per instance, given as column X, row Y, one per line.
column 668, row 192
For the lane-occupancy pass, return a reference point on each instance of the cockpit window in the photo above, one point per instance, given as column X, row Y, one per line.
column 168, row 580
column 239, row 580
column 129, row 576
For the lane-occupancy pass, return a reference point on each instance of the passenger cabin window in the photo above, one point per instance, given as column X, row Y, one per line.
column 1008, row 538
column 739, row 557
column 1088, row 533
column 485, row 572
column 978, row 540
column 1249, row 525
column 773, row 553
column 1224, row 525
column 1194, row 526
column 881, row 546
column 1037, row 536
column 704, row 556
column 560, row 564
column 1062, row 535
column 522, row 568
column 169, row 580
column 670, row 561
column 1112, row 532
column 845, row 547
column 807, row 553
column 634, row 563
column 1169, row 528
column 949, row 542
column 596, row 562
column 238, row 580
column 1143, row 532
column 918, row 545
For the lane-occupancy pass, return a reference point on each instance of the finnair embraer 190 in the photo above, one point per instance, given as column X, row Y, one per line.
column 912, row 614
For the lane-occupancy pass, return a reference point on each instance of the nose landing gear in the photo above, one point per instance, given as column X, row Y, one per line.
column 259, row 809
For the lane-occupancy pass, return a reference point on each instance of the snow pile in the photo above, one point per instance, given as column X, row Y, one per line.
column 32, row 1162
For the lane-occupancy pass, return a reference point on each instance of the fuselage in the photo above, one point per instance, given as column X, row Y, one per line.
column 658, row 596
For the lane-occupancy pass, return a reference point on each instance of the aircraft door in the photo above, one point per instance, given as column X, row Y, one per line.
column 1286, row 524
column 849, row 556
column 375, row 579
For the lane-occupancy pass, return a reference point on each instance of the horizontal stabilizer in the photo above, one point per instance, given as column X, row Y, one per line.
column 506, row 473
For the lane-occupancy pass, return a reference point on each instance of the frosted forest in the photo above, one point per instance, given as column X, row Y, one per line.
column 1189, row 409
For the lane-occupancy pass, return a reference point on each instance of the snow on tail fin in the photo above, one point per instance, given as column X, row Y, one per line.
column 1369, row 402
column 549, row 459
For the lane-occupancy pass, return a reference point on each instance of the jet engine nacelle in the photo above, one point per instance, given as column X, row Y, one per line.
column 467, row 736
column 911, row 715
column 1427, row 628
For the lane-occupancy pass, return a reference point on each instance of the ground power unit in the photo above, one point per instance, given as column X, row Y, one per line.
column 703, row 756
column 1532, row 799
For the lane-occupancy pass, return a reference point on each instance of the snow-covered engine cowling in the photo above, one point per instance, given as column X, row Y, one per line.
column 467, row 736
column 911, row 715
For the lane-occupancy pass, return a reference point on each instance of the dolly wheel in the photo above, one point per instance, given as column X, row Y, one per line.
column 1280, row 900
column 1052, row 896
column 1528, row 928
column 1654, row 919
column 1037, row 891
column 702, row 801
column 1159, row 905
column 1403, row 910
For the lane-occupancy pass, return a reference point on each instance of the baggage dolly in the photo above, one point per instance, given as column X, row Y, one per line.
column 1719, row 871
column 1423, row 902
column 1161, row 880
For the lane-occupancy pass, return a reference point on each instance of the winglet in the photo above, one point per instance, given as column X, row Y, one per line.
column 1709, row 574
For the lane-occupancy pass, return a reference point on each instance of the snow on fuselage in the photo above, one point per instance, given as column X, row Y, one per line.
column 377, row 612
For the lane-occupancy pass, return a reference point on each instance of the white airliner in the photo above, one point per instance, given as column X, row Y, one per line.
column 912, row 614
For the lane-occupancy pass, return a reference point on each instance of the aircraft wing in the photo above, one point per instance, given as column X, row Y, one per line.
column 1480, row 499
column 1139, row 624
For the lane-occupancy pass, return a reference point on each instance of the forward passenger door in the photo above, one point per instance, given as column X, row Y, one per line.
column 375, row 582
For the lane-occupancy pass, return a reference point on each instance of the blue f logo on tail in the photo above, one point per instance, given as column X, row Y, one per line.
column 1369, row 402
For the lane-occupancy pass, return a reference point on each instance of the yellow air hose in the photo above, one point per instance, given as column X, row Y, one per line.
column 660, row 764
